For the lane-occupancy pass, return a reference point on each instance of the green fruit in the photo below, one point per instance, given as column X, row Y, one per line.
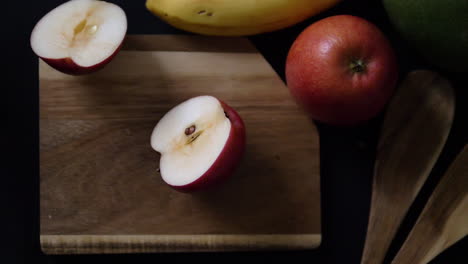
column 438, row 29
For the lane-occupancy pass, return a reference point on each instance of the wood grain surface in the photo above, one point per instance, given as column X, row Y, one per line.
column 100, row 190
column 415, row 128
column 444, row 219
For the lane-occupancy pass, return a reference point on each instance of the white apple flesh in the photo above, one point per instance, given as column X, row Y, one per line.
column 80, row 36
column 201, row 142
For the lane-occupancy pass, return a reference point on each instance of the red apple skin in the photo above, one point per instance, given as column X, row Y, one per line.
column 68, row 66
column 319, row 74
column 227, row 161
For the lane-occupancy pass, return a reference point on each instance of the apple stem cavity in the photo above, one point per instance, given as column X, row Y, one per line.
column 357, row 66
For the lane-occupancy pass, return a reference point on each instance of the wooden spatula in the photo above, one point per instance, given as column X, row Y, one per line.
column 414, row 131
column 444, row 220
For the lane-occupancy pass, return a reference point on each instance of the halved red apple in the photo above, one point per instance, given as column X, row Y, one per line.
column 201, row 142
column 80, row 36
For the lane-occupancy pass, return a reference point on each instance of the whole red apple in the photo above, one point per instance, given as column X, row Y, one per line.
column 342, row 70
column 201, row 142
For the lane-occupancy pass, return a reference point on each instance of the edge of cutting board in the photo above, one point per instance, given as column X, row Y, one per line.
column 93, row 244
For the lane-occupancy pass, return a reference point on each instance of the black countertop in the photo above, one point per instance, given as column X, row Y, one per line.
column 347, row 154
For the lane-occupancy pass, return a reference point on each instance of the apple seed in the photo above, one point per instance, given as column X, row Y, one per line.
column 189, row 130
column 91, row 29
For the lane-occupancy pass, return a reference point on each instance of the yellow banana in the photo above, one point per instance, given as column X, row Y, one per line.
column 235, row 17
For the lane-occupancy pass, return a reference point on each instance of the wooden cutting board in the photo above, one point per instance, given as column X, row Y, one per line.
column 100, row 190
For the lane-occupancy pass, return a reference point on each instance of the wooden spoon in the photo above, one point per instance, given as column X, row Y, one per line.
column 444, row 220
column 415, row 129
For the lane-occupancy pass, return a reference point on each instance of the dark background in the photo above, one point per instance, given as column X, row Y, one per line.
column 347, row 154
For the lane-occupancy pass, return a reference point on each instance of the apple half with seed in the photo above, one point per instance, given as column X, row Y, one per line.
column 201, row 142
column 80, row 36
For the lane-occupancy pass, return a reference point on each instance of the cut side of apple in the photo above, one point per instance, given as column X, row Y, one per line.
column 201, row 142
column 80, row 36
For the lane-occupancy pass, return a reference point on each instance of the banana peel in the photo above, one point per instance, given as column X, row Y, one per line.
column 235, row 17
